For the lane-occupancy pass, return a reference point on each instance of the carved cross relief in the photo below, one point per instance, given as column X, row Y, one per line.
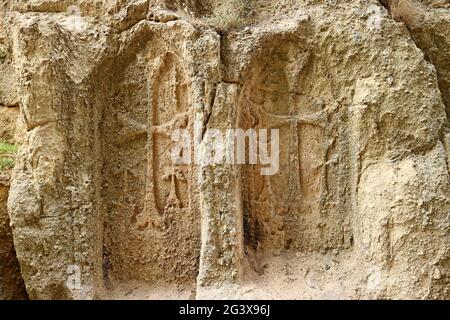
column 168, row 111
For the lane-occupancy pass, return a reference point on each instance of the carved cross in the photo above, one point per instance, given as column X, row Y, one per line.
column 173, row 174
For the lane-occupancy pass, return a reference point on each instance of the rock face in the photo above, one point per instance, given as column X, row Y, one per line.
column 11, row 283
column 357, row 208
column 432, row 35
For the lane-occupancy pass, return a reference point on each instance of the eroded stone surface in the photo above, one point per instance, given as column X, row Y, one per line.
column 358, row 209
column 11, row 283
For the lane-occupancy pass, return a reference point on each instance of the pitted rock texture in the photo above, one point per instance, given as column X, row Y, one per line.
column 358, row 209
column 11, row 283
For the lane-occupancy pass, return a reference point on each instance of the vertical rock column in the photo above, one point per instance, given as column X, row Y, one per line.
column 11, row 283
column 53, row 202
column 221, row 251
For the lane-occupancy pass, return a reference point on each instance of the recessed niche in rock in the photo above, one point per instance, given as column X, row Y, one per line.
column 357, row 208
column 152, row 229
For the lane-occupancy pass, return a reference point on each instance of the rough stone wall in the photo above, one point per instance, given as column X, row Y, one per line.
column 53, row 197
column 163, row 82
column 96, row 204
column 11, row 283
column 431, row 33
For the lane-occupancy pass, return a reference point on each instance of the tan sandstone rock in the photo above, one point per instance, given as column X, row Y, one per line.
column 359, row 207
